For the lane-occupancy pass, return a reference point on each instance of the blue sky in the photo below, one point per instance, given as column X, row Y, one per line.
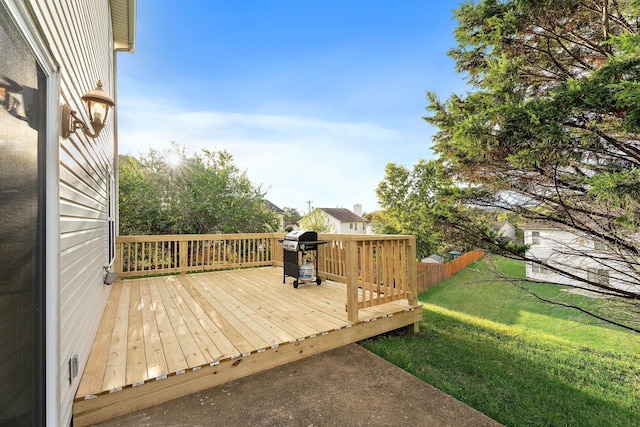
column 312, row 98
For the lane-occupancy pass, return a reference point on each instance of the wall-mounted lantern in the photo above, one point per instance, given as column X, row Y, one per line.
column 98, row 104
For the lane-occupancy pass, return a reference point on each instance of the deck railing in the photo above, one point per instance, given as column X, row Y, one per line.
column 376, row 268
column 383, row 267
column 149, row 255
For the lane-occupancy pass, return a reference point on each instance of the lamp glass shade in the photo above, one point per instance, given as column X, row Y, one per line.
column 97, row 112
column 98, row 103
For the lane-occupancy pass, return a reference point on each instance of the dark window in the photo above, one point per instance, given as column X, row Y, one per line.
column 598, row 275
column 22, row 230
column 535, row 237
column 111, row 217
column 540, row 269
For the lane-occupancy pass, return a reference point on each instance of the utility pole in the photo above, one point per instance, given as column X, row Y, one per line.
column 309, row 203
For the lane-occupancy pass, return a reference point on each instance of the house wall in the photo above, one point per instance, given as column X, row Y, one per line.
column 333, row 223
column 352, row 227
column 549, row 242
column 79, row 36
column 571, row 253
column 508, row 231
column 338, row 227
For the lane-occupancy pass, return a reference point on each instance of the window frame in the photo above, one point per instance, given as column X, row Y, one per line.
column 598, row 275
column 111, row 217
column 535, row 238
column 539, row 269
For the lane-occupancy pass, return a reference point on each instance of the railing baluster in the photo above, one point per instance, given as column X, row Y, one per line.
column 382, row 266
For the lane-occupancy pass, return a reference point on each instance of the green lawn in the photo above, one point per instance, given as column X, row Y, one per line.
column 477, row 292
column 521, row 361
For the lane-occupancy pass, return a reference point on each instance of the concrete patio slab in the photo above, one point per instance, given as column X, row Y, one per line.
column 348, row 386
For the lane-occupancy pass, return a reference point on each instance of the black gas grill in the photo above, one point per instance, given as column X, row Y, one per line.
column 296, row 247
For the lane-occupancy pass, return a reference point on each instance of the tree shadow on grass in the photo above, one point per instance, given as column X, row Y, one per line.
column 515, row 379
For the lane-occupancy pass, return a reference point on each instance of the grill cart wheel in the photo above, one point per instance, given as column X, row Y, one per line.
column 295, row 284
column 318, row 281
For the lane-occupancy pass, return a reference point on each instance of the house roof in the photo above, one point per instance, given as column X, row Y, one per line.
column 270, row 206
column 343, row 215
column 434, row 257
column 536, row 225
column 123, row 17
column 499, row 224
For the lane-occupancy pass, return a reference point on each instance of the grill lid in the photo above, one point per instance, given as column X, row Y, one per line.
column 302, row 236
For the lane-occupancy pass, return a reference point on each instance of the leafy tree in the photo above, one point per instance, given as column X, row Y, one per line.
column 172, row 193
column 551, row 131
column 317, row 221
column 381, row 222
column 291, row 216
column 408, row 198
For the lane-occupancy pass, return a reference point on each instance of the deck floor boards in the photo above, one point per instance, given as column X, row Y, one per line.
column 114, row 373
column 154, row 354
column 160, row 327
column 136, row 363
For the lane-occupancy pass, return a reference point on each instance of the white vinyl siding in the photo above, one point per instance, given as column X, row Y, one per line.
column 348, row 227
column 351, row 227
column 577, row 255
column 80, row 38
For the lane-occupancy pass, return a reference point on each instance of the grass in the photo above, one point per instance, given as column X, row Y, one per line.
column 518, row 360
column 476, row 291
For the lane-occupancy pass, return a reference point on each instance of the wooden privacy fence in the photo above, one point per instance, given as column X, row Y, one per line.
column 376, row 268
column 430, row 274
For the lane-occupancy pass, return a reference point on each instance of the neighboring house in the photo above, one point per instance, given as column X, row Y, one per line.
column 279, row 213
column 58, row 197
column 344, row 221
column 505, row 229
column 580, row 256
column 433, row 259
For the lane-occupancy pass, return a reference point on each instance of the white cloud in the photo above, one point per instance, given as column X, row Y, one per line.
column 295, row 158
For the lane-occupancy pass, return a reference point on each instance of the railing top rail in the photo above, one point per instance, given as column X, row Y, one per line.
column 189, row 237
column 360, row 237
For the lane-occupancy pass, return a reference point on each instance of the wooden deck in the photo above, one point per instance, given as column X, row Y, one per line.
column 165, row 337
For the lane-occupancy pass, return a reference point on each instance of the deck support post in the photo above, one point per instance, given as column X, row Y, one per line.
column 352, row 280
column 412, row 276
column 272, row 249
column 117, row 266
column 412, row 271
column 183, row 248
